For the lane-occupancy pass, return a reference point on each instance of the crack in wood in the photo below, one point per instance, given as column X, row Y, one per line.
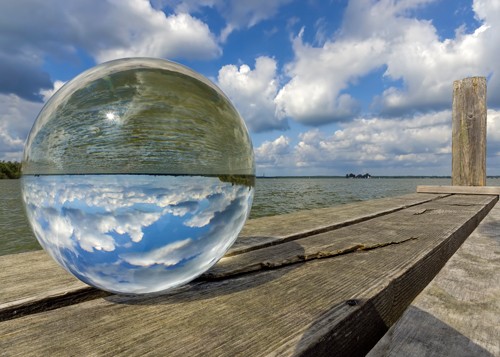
column 296, row 259
column 50, row 303
column 381, row 245
column 463, row 204
column 425, row 210
column 328, row 228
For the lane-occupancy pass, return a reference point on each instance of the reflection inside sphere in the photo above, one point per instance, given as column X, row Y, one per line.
column 136, row 233
column 138, row 175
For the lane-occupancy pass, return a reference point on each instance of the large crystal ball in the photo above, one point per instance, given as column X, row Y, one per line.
column 138, row 175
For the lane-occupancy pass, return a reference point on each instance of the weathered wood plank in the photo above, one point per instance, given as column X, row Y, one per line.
column 470, row 190
column 458, row 313
column 468, row 163
column 340, row 305
column 275, row 229
column 346, row 240
column 33, row 281
column 33, row 277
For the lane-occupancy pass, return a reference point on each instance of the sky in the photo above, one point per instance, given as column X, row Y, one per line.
column 326, row 87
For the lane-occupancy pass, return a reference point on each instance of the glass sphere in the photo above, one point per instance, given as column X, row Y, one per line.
column 138, row 175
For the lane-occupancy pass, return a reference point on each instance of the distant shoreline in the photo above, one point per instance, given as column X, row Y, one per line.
column 339, row 177
column 372, row 177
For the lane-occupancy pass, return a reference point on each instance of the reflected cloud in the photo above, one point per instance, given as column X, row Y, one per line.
column 135, row 233
column 161, row 255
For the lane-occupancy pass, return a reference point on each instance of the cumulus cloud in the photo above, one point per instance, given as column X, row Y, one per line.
column 415, row 54
column 106, row 30
column 16, row 118
column 386, row 35
column 163, row 255
column 47, row 93
column 426, row 65
column 253, row 93
column 62, row 30
column 387, row 141
column 152, row 33
column 493, row 141
column 488, row 36
column 276, row 153
column 319, row 75
column 379, row 144
column 237, row 14
column 374, row 36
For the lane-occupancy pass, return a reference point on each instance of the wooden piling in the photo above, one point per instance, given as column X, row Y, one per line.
column 469, row 132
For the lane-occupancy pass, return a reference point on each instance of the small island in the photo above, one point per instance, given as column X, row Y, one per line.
column 351, row 175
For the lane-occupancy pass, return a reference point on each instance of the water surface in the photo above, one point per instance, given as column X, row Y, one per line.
column 272, row 196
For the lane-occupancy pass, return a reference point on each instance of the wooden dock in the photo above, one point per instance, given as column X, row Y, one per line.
column 325, row 282
column 458, row 313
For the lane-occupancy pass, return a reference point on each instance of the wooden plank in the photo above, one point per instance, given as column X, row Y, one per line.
column 458, row 313
column 337, row 242
column 340, row 305
column 471, row 190
column 30, row 278
column 267, row 231
column 469, row 132
column 33, row 281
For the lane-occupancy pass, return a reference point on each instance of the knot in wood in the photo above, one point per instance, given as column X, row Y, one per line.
column 352, row 302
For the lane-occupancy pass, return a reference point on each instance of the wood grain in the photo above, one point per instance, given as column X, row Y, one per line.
column 272, row 230
column 469, row 132
column 30, row 278
column 458, row 313
column 469, row 190
column 339, row 305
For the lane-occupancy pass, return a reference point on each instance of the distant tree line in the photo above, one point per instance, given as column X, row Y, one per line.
column 351, row 175
column 10, row 169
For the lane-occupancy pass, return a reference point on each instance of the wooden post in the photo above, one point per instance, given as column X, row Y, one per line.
column 469, row 132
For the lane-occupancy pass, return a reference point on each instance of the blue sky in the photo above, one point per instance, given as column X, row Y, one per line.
column 325, row 87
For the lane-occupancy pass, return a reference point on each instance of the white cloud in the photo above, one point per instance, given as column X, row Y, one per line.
column 414, row 53
column 104, row 29
column 276, row 153
column 493, row 140
column 237, row 14
column 47, row 93
column 16, row 118
column 151, row 33
column 485, row 9
column 164, row 255
column 319, row 75
column 382, row 145
column 61, row 30
column 245, row 14
column 489, row 12
column 253, row 93
column 428, row 67
column 384, row 34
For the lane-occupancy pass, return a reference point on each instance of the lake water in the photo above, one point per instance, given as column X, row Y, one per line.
column 272, row 196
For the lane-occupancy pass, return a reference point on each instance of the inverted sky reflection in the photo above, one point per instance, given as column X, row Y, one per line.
column 135, row 233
